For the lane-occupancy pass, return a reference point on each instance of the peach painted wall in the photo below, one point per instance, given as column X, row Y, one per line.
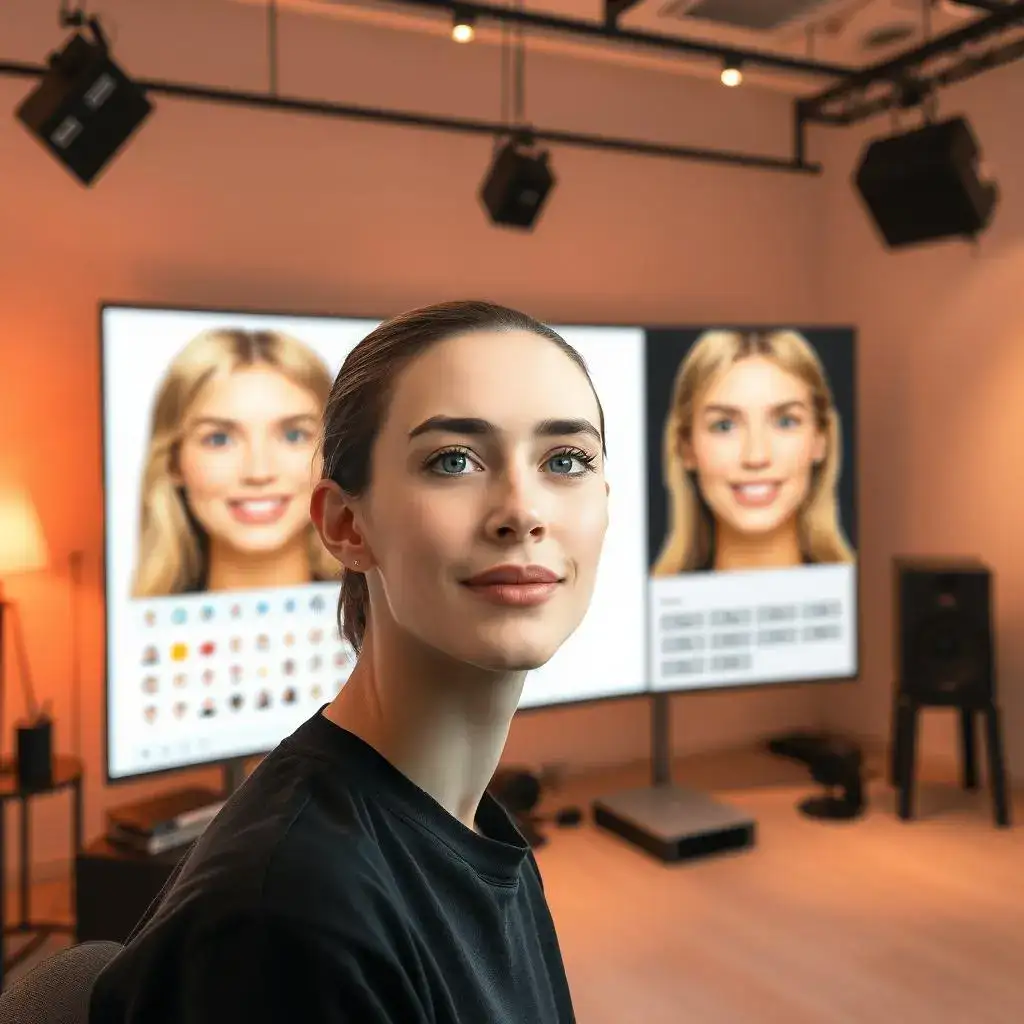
column 250, row 209
column 942, row 378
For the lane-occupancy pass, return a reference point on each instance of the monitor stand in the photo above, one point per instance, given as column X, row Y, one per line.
column 669, row 822
column 234, row 774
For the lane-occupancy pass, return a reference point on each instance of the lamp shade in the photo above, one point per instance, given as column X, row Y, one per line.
column 22, row 544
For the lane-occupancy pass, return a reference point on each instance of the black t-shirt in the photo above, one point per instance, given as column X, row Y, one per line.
column 330, row 889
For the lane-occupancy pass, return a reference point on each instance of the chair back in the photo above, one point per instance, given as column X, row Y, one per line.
column 57, row 990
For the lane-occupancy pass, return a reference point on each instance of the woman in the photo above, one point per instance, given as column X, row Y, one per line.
column 752, row 457
column 362, row 874
column 225, row 491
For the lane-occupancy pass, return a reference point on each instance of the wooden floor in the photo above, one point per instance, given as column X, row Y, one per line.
column 875, row 921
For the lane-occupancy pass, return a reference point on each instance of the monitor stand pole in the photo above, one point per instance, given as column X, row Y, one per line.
column 667, row 821
column 234, row 775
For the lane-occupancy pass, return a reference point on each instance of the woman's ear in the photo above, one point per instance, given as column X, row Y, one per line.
column 335, row 517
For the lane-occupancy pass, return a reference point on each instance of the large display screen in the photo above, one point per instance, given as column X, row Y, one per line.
column 729, row 561
column 222, row 632
column 751, row 524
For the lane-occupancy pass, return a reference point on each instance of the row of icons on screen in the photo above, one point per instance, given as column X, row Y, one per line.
column 179, row 616
column 181, row 651
column 209, row 706
column 238, row 673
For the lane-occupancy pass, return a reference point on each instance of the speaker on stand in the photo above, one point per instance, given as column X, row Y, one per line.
column 944, row 656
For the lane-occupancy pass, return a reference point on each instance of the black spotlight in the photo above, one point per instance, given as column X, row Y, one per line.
column 926, row 186
column 517, row 184
column 85, row 108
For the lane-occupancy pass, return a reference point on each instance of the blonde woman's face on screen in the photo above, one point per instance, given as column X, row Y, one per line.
column 754, row 445
column 490, row 455
column 245, row 459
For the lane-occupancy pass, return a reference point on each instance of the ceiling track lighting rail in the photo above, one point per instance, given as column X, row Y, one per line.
column 897, row 98
column 465, row 126
column 827, row 106
column 609, row 32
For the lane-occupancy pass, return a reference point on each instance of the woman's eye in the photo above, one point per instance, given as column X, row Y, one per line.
column 296, row 435
column 451, row 463
column 217, row 439
column 788, row 421
column 570, row 464
column 721, row 426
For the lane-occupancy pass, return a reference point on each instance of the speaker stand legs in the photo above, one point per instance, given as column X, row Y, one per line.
column 968, row 749
column 997, row 766
column 903, row 761
column 906, row 757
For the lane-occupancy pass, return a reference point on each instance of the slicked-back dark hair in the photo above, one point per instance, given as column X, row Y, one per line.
column 359, row 400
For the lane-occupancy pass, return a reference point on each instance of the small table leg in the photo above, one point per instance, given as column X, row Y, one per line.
column 23, row 872
column 3, row 892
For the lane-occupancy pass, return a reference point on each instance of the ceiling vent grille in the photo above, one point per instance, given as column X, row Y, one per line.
column 753, row 15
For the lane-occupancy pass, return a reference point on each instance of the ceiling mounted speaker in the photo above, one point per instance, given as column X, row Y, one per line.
column 925, row 185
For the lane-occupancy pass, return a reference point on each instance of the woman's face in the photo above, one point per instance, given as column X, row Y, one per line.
column 490, row 455
column 245, row 461
column 754, row 445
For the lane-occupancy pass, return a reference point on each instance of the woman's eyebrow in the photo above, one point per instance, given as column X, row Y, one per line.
column 473, row 426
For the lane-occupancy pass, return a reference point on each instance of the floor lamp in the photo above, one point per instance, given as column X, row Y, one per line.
column 22, row 549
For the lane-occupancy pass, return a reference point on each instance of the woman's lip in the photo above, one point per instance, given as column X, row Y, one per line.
column 259, row 511
column 756, row 494
column 522, row 595
column 514, row 575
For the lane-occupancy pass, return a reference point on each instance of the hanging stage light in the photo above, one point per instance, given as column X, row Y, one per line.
column 517, row 184
column 85, row 107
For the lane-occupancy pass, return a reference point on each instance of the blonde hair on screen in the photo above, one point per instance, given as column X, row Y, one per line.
column 172, row 555
column 689, row 545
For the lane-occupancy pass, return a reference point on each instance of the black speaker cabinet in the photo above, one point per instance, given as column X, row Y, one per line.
column 943, row 625
column 925, row 185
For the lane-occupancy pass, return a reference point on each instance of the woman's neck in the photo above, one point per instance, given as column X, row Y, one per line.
column 442, row 725
column 230, row 569
column 777, row 550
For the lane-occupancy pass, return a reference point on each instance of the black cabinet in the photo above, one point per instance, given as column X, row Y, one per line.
column 114, row 888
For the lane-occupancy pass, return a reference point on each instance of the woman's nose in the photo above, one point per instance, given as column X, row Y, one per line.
column 517, row 514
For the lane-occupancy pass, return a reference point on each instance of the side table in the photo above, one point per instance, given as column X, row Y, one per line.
column 67, row 775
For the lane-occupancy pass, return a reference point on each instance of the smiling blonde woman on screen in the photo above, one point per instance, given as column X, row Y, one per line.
column 752, row 457
column 229, row 471
column 362, row 874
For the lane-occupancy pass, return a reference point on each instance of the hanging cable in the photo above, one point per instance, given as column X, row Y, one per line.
column 519, row 73
column 75, row 566
column 272, row 44
column 72, row 18
column 504, row 84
